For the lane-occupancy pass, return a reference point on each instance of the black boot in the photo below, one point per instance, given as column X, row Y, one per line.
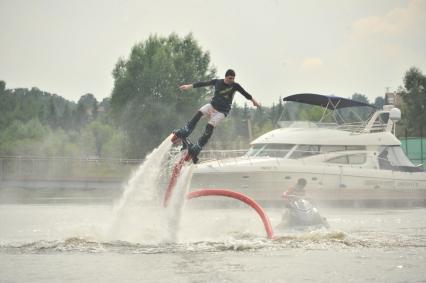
column 182, row 132
column 194, row 150
column 202, row 141
column 189, row 127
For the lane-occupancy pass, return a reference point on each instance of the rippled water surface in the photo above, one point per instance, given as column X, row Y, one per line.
column 84, row 243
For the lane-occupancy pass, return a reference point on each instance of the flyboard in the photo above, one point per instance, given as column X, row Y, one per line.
column 186, row 157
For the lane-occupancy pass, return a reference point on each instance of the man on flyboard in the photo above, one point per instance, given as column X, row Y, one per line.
column 216, row 110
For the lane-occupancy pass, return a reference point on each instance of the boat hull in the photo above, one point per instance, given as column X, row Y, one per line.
column 326, row 184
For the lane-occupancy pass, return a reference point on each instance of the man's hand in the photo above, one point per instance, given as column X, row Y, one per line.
column 255, row 103
column 185, row 87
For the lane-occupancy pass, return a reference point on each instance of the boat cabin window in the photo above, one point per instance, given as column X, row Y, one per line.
column 271, row 150
column 304, row 150
column 255, row 149
column 332, row 148
column 352, row 159
column 355, row 147
column 359, row 158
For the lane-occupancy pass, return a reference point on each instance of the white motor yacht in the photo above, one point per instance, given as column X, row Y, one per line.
column 340, row 161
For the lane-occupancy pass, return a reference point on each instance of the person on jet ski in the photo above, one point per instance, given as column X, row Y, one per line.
column 299, row 210
column 296, row 191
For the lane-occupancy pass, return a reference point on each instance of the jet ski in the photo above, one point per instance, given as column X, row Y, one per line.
column 301, row 213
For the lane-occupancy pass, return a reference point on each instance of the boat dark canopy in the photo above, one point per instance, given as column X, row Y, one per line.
column 326, row 101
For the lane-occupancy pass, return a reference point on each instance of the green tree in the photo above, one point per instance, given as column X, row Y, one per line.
column 2, row 87
column 311, row 113
column 66, row 121
column 52, row 116
column 21, row 138
column 276, row 111
column 114, row 147
column 379, row 102
column 87, row 107
column 146, row 100
column 360, row 97
column 414, row 97
column 355, row 114
column 102, row 134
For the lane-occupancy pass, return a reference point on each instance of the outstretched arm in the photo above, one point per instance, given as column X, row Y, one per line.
column 198, row 84
column 247, row 95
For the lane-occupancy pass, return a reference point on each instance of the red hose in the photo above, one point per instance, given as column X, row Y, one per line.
column 238, row 196
column 173, row 179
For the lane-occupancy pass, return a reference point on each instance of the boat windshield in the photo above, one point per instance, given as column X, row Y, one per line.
column 271, row 150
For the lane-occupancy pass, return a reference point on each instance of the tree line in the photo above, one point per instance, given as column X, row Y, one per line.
column 34, row 122
column 146, row 105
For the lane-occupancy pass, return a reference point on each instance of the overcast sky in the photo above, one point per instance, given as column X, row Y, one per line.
column 276, row 47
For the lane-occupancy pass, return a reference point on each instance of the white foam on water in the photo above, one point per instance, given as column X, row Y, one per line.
column 139, row 216
column 143, row 184
column 177, row 201
column 138, row 210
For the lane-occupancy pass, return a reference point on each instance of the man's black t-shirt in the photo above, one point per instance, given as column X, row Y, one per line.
column 223, row 94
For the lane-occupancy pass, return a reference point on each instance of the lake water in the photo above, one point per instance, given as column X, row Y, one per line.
column 87, row 243
column 138, row 240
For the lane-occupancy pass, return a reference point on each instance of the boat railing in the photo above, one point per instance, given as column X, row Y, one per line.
column 352, row 127
column 212, row 154
column 355, row 127
column 221, row 154
column 376, row 127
